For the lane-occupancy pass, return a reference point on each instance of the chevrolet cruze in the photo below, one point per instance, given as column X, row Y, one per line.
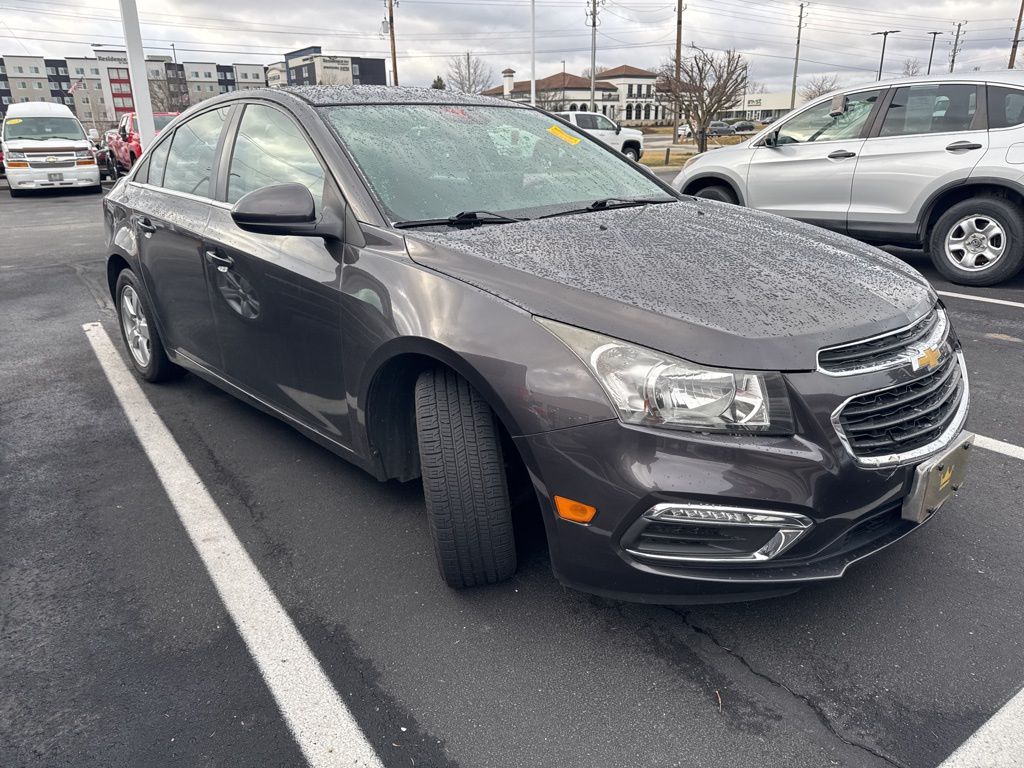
column 473, row 292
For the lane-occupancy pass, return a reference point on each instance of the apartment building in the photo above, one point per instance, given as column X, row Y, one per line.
column 309, row 66
column 201, row 79
column 168, row 91
column 249, row 76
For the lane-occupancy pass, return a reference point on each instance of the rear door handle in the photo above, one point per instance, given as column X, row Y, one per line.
column 957, row 146
column 222, row 263
column 841, row 154
column 146, row 226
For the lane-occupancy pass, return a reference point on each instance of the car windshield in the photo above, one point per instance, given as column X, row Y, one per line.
column 430, row 161
column 42, row 128
column 160, row 121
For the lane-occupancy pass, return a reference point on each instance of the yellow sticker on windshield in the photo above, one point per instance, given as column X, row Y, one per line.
column 556, row 130
column 14, row 121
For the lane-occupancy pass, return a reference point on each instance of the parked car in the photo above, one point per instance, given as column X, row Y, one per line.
column 928, row 162
column 715, row 128
column 628, row 141
column 450, row 287
column 44, row 147
column 124, row 142
column 744, row 126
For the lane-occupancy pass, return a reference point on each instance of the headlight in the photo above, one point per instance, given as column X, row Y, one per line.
column 15, row 155
column 654, row 389
column 83, row 154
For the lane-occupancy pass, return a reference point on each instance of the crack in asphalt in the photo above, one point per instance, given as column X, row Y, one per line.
column 806, row 700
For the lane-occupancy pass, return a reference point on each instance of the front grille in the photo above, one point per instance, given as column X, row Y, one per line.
column 47, row 166
column 886, row 350
column 905, row 418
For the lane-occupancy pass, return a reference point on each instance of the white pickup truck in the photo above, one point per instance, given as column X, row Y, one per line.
column 628, row 141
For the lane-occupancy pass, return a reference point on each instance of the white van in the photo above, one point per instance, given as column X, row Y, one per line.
column 45, row 147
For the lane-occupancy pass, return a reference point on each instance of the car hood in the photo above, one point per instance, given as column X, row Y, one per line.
column 713, row 283
column 632, row 133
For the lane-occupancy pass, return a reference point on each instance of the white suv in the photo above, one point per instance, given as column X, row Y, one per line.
column 628, row 141
column 936, row 162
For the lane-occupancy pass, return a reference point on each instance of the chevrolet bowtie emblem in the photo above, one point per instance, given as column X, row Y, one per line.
column 51, row 159
column 928, row 358
column 944, row 478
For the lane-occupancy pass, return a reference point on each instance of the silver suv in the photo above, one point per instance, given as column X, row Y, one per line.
column 935, row 162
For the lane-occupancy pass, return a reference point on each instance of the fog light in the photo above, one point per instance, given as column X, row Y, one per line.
column 576, row 511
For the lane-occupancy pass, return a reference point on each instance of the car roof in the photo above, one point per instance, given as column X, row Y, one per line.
column 38, row 109
column 332, row 95
column 1007, row 76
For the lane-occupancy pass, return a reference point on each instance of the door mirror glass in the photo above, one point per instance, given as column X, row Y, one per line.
column 839, row 105
column 280, row 209
column 772, row 139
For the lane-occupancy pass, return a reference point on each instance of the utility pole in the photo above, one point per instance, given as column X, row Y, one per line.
column 391, row 30
column 796, row 58
column 679, row 68
column 1016, row 37
column 533, row 53
column 956, row 46
column 592, row 23
column 885, row 36
column 931, row 55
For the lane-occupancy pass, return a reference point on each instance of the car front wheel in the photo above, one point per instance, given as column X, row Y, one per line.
column 135, row 317
column 631, row 153
column 978, row 241
column 464, row 481
column 718, row 192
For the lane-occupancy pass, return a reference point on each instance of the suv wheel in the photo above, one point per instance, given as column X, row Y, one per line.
column 718, row 192
column 978, row 241
column 464, row 482
column 631, row 153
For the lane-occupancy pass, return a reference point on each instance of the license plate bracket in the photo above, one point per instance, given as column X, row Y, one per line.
column 55, row 177
column 937, row 480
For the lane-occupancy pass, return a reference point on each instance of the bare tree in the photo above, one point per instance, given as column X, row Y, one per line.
column 911, row 67
column 756, row 87
column 586, row 72
column 818, row 85
column 469, row 74
column 160, row 96
column 708, row 83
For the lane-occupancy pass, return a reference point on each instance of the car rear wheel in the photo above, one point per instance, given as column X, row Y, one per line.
column 464, row 481
column 978, row 241
column 135, row 317
column 718, row 192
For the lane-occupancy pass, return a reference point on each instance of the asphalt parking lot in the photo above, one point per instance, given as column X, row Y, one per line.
column 117, row 649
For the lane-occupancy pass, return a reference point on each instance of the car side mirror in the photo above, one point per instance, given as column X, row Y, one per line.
column 618, row 129
column 772, row 139
column 839, row 106
column 280, row 209
column 123, row 133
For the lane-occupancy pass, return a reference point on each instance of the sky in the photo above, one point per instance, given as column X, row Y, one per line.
column 836, row 34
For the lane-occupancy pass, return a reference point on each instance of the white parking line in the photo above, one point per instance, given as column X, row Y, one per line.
column 1007, row 449
column 985, row 299
column 997, row 744
column 322, row 725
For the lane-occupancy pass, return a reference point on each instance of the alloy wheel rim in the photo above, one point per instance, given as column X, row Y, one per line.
column 136, row 326
column 975, row 243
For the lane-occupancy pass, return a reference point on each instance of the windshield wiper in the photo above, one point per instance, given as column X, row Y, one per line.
column 461, row 219
column 606, row 203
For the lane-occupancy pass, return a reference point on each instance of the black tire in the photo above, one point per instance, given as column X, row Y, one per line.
column 464, row 482
column 1005, row 215
column 159, row 368
column 718, row 192
column 632, row 153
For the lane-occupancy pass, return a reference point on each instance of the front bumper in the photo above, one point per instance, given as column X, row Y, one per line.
column 35, row 178
column 624, row 471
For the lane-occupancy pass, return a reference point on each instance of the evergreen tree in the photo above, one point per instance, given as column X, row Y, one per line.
column 438, row 83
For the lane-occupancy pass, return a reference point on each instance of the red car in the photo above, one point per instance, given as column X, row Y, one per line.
column 124, row 142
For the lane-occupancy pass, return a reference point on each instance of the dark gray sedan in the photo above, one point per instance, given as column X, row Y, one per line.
column 472, row 292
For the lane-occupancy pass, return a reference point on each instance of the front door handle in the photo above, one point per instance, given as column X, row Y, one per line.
column 958, row 146
column 222, row 263
column 146, row 226
column 841, row 154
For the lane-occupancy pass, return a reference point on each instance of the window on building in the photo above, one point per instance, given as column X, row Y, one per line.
column 195, row 74
column 5, row 99
column 244, row 75
column 355, row 70
column 95, row 71
column 220, row 75
column 629, row 91
column 34, row 70
column 51, row 70
column 270, row 149
column 65, row 84
column 208, row 75
column 22, row 84
column 62, row 70
column 3, row 85
column 190, row 158
column 3, row 69
column 39, row 85
column 85, row 99
column 97, row 85
column 69, row 100
column 154, row 73
column 87, row 113
column 209, row 88
column 79, row 70
column 20, row 69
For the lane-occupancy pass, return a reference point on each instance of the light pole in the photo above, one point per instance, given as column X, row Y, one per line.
column 932, row 53
column 885, row 36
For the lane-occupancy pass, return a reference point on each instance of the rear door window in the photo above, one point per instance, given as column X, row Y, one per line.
column 1005, row 106
column 931, row 108
column 189, row 162
column 157, row 163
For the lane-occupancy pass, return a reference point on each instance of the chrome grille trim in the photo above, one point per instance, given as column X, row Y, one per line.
column 931, row 330
column 917, row 454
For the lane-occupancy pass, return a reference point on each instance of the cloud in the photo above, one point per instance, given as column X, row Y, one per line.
column 836, row 37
